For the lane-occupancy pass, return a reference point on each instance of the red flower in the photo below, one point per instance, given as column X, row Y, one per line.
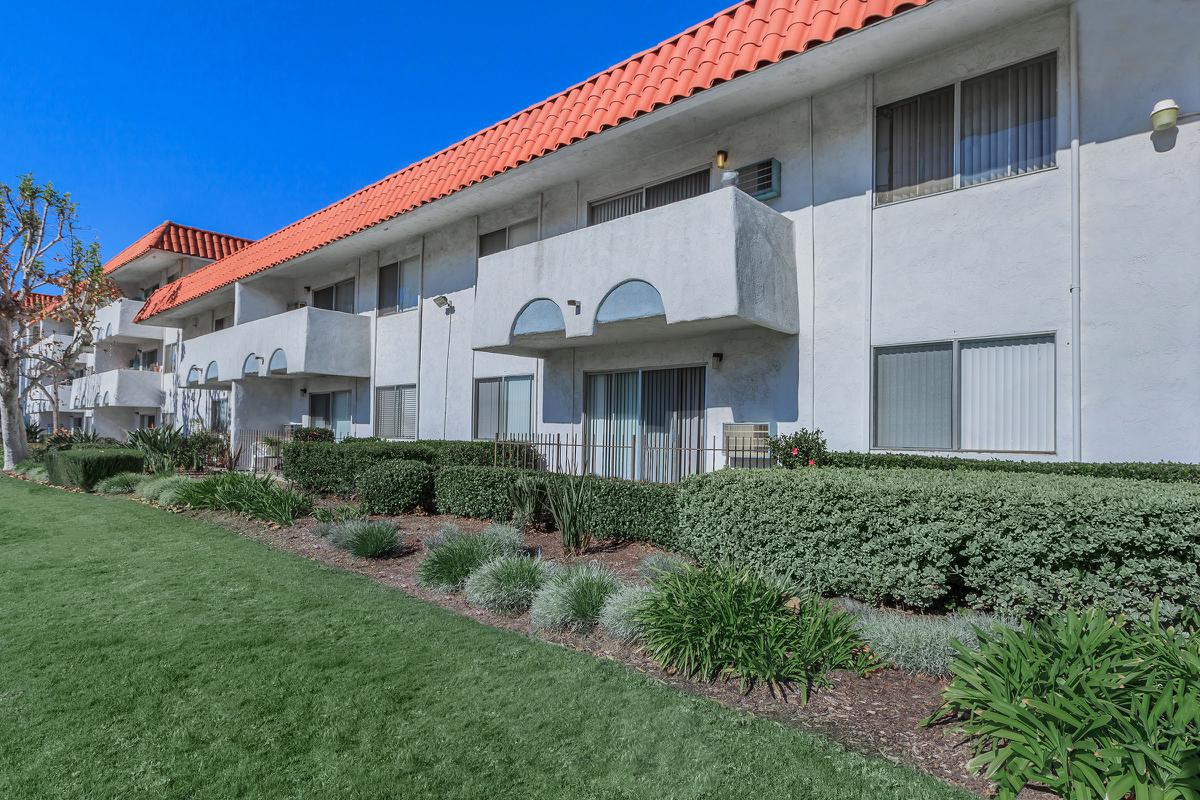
column 795, row 451
column 812, row 462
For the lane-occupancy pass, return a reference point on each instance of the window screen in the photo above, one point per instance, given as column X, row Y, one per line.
column 396, row 412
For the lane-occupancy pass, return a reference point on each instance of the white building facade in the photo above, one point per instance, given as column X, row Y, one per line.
column 949, row 229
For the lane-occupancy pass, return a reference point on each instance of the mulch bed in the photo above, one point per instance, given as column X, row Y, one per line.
column 879, row 715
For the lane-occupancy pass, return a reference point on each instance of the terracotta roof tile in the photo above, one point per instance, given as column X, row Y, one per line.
column 175, row 238
column 739, row 40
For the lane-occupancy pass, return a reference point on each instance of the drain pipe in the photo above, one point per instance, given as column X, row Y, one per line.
column 1076, row 266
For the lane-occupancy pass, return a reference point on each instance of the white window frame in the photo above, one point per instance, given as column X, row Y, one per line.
column 957, row 135
column 956, row 394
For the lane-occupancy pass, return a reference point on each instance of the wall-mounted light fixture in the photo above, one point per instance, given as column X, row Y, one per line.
column 1165, row 115
column 441, row 301
column 717, row 358
column 722, row 158
column 577, row 306
column 303, row 391
column 308, row 288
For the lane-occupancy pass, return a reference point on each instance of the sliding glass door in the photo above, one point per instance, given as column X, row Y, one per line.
column 331, row 410
column 645, row 424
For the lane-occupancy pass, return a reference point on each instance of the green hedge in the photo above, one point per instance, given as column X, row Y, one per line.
column 1163, row 471
column 83, row 468
column 332, row 468
column 1022, row 544
column 396, row 486
column 617, row 509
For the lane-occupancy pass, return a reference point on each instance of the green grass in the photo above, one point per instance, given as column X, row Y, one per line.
column 148, row 655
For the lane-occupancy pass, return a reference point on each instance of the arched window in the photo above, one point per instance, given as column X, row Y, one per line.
column 278, row 364
column 539, row 316
column 630, row 300
column 210, row 374
column 193, row 376
column 250, row 365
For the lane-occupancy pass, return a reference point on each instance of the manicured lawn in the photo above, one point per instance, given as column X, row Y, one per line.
column 144, row 654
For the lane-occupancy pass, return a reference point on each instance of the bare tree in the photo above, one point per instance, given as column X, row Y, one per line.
column 40, row 253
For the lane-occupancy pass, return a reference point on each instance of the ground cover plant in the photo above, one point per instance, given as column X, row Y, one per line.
column 83, row 468
column 152, row 655
column 723, row 623
column 1085, row 705
column 918, row 643
column 573, row 598
column 121, row 483
column 454, row 555
column 507, row 584
column 338, row 513
column 364, row 538
column 255, row 496
column 619, row 615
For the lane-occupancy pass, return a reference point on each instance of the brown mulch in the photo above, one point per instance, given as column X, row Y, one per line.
column 878, row 715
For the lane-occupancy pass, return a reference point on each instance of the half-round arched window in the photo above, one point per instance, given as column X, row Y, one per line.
column 278, row 363
column 539, row 316
column 193, row 376
column 108, row 330
column 630, row 300
column 210, row 374
column 96, row 402
column 250, row 365
column 105, row 400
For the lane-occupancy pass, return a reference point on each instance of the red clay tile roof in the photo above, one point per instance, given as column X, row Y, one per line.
column 175, row 238
column 737, row 41
column 37, row 300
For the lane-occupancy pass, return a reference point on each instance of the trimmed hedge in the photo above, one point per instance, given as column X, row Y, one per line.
column 332, row 468
column 84, row 468
column 395, row 486
column 1162, row 472
column 617, row 509
column 1023, row 544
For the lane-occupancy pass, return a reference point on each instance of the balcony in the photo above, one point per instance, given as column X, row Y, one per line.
column 306, row 342
column 114, row 323
column 37, row 402
column 720, row 261
column 118, row 388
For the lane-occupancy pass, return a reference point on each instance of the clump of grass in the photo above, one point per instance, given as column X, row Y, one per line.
column 163, row 489
column 507, row 584
column 573, row 598
column 341, row 513
column 454, row 555
column 619, row 616
column 242, row 493
column 365, row 538
column 121, row 483
column 656, row 566
column 32, row 470
column 920, row 644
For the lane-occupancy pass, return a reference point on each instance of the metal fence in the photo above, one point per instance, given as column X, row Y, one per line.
column 258, row 449
column 634, row 458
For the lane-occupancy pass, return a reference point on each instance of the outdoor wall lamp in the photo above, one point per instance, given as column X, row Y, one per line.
column 1165, row 115
column 577, row 306
column 721, row 159
column 717, row 358
column 303, row 392
column 441, row 301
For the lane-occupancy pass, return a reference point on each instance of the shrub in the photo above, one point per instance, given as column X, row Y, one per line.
column 569, row 498
column 339, row 513
column 365, row 538
column 507, row 584
column 919, row 644
column 312, row 434
column 619, row 616
column 1162, row 472
column 722, row 623
column 616, row 509
column 247, row 494
column 83, row 468
column 163, row 489
column 573, row 598
column 32, row 470
column 121, row 483
column 395, row 487
column 454, row 556
column 800, row 449
column 527, row 494
column 1019, row 544
column 331, row 468
column 199, row 448
column 657, row 566
column 163, row 448
column 1084, row 705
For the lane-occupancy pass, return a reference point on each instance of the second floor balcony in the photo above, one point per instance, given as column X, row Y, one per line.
column 118, row 388
column 305, row 342
column 114, row 323
column 719, row 261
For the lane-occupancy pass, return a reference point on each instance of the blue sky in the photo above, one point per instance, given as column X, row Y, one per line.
column 244, row 116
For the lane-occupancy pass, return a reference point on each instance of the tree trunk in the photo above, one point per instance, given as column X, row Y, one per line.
column 12, row 426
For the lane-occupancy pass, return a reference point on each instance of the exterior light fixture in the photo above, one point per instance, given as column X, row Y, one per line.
column 1165, row 115
column 441, row 301
column 721, row 159
column 717, row 358
column 576, row 305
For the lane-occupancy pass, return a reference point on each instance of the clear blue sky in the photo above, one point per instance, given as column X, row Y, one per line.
column 244, row 116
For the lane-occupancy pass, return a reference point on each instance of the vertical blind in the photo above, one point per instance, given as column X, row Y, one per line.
column 1009, row 121
column 914, row 143
column 914, row 396
column 610, row 404
column 1007, row 394
column 396, row 412
column 659, row 194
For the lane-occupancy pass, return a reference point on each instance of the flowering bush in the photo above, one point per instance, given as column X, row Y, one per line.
column 804, row 448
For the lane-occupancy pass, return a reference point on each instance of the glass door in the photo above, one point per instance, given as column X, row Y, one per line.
column 341, row 415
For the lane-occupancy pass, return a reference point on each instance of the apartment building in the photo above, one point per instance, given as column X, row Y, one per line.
column 946, row 226
column 128, row 378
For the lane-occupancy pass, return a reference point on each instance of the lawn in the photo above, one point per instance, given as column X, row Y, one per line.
column 145, row 654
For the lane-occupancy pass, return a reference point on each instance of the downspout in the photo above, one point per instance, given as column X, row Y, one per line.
column 812, row 241
column 1076, row 266
column 870, row 273
column 420, row 327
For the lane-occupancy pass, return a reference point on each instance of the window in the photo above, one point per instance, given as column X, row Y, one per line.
column 219, row 415
column 330, row 410
column 170, row 357
column 761, row 180
column 338, row 297
column 1006, row 125
column 396, row 412
column 664, row 193
column 171, row 279
column 993, row 395
column 148, row 359
column 149, row 290
column 503, row 406
column 514, row 235
column 221, row 323
column 399, row 285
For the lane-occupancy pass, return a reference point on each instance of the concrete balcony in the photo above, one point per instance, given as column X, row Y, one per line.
column 37, row 402
column 114, row 323
column 118, row 388
column 721, row 261
column 306, row 342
